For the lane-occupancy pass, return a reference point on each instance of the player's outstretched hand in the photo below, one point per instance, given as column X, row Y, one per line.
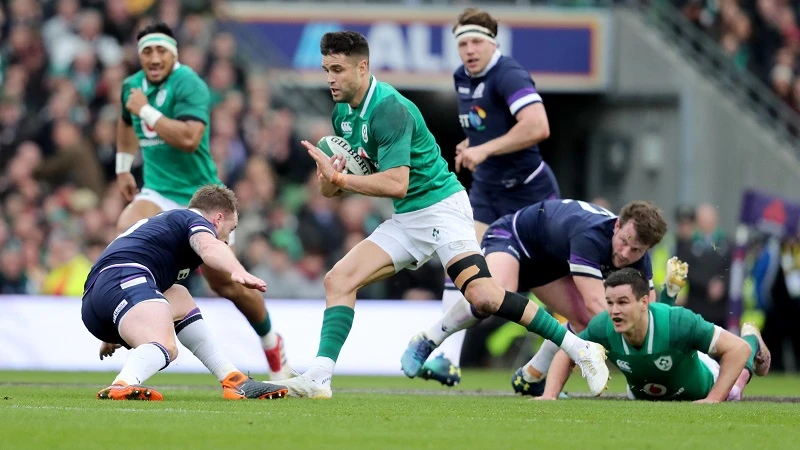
column 108, row 349
column 677, row 272
column 706, row 400
column 127, row 186
column 469, row 158
column 545, row 397
column 324, row 164
column 249, row 281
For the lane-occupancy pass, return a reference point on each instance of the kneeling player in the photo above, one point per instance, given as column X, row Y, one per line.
column 663, row 351
column 123, row 303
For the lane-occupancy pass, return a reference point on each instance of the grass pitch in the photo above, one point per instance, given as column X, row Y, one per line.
column 58, row 410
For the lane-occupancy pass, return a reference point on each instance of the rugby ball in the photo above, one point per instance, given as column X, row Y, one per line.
column 354, row 163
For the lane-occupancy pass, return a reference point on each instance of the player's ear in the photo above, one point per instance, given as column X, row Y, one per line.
column 616, row 226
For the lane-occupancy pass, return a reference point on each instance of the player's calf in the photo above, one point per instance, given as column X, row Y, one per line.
column 485, row 295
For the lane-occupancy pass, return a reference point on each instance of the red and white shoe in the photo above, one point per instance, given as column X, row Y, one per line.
column 276, row 358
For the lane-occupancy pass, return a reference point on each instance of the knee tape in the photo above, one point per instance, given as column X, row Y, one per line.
column 513, row 307
column 467, row 269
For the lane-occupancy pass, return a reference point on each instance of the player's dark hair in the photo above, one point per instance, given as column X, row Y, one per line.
column 348, row 43
column 155, row 27
column 648, row 221
column 212, row 198
column 632, row 277
column 475, row 16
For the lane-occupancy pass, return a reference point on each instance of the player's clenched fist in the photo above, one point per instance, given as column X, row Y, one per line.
column 127, row 186
column 677, row 271
column 136, row 100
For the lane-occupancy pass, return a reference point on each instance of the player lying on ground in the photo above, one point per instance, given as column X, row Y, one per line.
column 167, row 114
column 663, row 350
column 559, row 250
column 432, row 215
column 131, row 299
column 504, row 120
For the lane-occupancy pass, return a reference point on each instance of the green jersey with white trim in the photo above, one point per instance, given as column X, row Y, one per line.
column 667, row 366
column 389, row 131
column 171, row 172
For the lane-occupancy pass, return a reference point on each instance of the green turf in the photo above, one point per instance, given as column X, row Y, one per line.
column 57, row 410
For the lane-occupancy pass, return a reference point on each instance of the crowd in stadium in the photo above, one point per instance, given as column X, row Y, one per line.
column 63, row 63
column 762, row 36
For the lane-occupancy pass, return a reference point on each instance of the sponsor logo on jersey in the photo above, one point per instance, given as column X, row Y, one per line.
column 347, row 127
column 161, row 97
column 654, row 389
column 183, row 274
column 463, row 90
column 478, row 91
column 664, row 363
column 624, row 366
column 477, row 116
column 364, row 134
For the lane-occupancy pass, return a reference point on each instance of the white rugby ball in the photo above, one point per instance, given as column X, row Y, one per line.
column 354, row 163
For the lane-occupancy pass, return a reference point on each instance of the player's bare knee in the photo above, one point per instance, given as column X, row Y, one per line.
column 484, row 295
column 471, row 275
column 338, row 282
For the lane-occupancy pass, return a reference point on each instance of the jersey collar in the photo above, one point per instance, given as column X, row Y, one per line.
column 367, row 98
column 493, row 62
column 648, row 339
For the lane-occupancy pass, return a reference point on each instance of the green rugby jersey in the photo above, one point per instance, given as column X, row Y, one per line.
column 389, row 131
column 173, row 173
column 667, row 367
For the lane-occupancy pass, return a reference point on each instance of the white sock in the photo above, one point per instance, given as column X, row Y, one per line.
column 572, row 344
column 456, row 318
column 143, row 362
column 450, row 347
column 194, row 335
column 541, row 360
column 321, row 371
column 269, row 340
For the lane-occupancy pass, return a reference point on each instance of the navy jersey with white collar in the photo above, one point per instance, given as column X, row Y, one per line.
column 159, row 243
column 574, row 231
column 487, row 106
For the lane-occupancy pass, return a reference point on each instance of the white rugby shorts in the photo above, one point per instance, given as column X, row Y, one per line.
column 445, row 229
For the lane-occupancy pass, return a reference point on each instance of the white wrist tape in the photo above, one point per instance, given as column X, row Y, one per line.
column 150, row 115
column 124, row 162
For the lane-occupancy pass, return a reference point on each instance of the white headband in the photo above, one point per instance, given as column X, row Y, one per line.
column 470, row 31
column 158, row 39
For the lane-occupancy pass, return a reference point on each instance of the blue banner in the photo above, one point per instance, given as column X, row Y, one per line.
column 563, row 50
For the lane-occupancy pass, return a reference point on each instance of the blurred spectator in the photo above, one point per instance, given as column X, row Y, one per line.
column 68, row 267
column 776, row 273
column 709, row 264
